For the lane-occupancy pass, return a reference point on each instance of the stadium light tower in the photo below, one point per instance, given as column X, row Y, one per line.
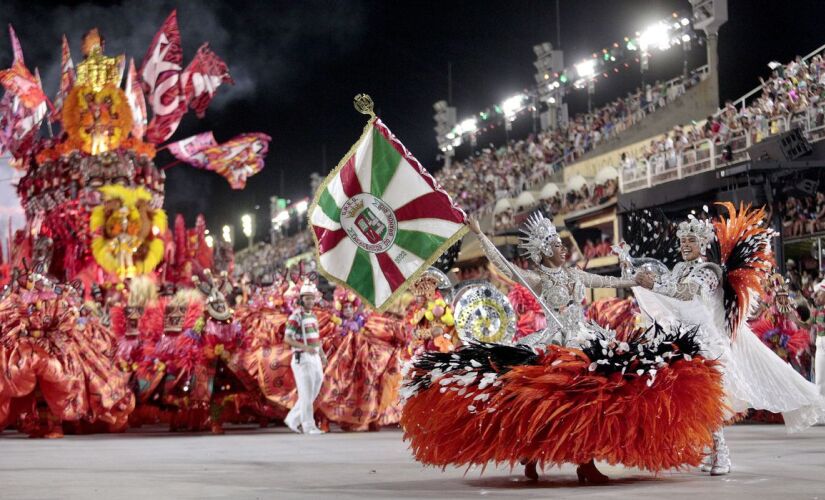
column 247, row 225
column 586, row 71
column 445, row 121
column 549, row 62
column 709, row 16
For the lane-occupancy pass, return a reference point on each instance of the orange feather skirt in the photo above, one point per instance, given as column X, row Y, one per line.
column 478, row 407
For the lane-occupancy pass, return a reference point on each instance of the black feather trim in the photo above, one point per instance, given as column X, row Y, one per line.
column 446, row 262
column 645, row 353
column 479, row 357
column 649, row 233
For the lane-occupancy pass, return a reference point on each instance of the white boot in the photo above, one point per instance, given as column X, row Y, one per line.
column 721, row 461
column 707, row 461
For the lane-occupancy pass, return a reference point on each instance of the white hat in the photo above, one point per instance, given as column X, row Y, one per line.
column 308, row 288
column 819, row 287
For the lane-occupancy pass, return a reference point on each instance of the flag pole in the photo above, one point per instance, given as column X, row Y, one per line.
column 170, row 165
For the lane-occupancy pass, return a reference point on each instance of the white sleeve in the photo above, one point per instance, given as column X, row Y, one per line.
column 700, row 281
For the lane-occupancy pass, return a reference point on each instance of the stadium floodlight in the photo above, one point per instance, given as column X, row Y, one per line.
column 685, row 21
column 301, row 206
column 209, row 240
column 512, row 105
column 586, row 68
column 468, row 126
column 685, row 38
column 246, row 225
column 227, row 234
column 552, row 100
column 655, row 36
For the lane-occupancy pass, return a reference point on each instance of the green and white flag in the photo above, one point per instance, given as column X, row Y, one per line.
column 379, row 219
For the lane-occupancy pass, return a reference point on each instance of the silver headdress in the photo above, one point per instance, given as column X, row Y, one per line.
column 701, row 229
column 539, row 235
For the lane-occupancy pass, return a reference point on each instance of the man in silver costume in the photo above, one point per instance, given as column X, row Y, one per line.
column 689, row 279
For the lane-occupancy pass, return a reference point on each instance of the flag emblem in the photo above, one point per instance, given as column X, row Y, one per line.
column 369, row 222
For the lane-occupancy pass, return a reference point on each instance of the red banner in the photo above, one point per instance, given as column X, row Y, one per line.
column 236, row 159
column 137, row 103
column 23, row 106
column 67, row 79
column 187, row 149
column 202, row 78
column 161, row 72
column 20, row 82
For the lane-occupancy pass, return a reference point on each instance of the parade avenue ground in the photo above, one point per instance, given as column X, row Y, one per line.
column 248, row 462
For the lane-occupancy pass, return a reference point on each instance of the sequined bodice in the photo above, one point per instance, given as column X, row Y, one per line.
column 563, row 293
column 559, row 288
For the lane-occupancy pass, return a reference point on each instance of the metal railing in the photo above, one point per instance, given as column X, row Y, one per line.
column 742, row 102
column 729, row 146
column 633, row 117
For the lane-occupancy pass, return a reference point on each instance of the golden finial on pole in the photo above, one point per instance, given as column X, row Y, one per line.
column 364, row 105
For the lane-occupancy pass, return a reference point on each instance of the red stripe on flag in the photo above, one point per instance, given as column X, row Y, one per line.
column 349, row 180
column 404, row 152
column 433, row 205
column 413, row 161
column 327, row 239
column 390, row 270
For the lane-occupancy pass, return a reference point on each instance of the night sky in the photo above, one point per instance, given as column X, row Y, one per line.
column 299, row 63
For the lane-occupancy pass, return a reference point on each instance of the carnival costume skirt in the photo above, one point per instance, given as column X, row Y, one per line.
column 363, row 377
column 649, row 405
column 67, row 365
column 753, row 375
column 265, row 364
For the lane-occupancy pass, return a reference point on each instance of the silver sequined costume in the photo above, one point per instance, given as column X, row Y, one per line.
column 562, row 290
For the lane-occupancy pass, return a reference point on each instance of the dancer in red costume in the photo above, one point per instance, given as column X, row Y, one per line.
column 429, row 318
column 172, row 375
column 135, row 325
column 363, row 375
column 54, row 366
column 232, row 395
column 779, row 327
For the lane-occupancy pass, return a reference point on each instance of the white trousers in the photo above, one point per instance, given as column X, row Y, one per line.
column 309, row 374
column 819, row 364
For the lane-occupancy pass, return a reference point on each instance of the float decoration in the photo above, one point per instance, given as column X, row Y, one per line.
column 108, row 136
column 126, row 229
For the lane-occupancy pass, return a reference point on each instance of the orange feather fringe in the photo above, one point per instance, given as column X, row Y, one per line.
column 560, row 412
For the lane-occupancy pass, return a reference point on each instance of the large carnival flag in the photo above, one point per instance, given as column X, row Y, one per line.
column 67, row 79
column 161, row 72
column 236, row 159
column 379, row 219
column 201, row 79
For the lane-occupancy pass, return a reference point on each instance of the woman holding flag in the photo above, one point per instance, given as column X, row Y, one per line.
column 574, row 394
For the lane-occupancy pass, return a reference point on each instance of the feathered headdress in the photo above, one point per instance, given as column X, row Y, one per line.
column 743, row 249
column 701, row 229
column 539, row 235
